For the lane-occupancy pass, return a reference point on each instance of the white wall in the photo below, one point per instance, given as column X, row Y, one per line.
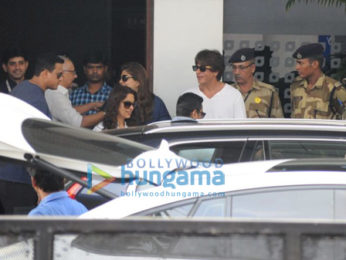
column 181, row 29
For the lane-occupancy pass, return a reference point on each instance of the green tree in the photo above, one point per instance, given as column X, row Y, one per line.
column 335, row 3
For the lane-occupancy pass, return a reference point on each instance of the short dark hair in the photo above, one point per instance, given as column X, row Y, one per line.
column 318, row 58
column 95, row 57
column 47, row 181
column 46, row 61
column 12, row 52
column 211, row 58
column 187, row 103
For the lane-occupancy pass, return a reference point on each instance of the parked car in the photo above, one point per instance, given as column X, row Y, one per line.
column 82, row 156
column 279, row 189
column 30, row 137
column 244, row 140
column 236, row 141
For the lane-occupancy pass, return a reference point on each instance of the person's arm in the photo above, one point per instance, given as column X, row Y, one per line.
column 160, row 110
column 276, row 109
column 239, row 106
column 90, row 106
column 91, row 120
column 61, row 108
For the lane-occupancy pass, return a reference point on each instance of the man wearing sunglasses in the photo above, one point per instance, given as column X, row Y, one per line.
column 189, row 105
column 220, row 100
column 16, row 193
column 95, row 89
column 47, row 73
column 60, row 105
column 261, row 99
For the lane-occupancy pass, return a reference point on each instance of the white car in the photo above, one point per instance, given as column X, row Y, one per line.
column 288, row 190
column 308, row 189
column 30, row 137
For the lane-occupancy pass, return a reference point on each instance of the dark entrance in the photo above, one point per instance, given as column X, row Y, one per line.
column 118, row 28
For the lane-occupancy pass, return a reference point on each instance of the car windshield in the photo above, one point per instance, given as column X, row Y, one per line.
column 56, row 139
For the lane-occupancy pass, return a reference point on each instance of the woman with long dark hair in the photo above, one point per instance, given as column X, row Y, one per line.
column 119, row 106
column 150, row 108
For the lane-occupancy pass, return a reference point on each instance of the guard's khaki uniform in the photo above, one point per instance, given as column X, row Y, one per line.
column 262, row 101
column 315, row 102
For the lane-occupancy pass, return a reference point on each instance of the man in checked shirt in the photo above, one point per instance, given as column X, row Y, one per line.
column 95, row 90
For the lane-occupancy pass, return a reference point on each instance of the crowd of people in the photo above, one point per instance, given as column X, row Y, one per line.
column 130, row 102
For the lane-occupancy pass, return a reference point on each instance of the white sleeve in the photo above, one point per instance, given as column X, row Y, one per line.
column 61, row 108
column 239, row 106
column 99, row 127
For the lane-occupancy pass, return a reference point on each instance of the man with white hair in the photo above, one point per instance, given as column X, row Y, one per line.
column 60, row 105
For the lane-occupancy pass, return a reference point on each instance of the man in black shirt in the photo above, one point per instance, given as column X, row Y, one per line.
column 15, row 64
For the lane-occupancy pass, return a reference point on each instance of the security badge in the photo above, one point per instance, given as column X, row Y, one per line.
column 299, row 56
column 242, row 58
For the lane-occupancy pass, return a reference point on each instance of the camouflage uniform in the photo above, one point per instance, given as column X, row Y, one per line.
column 315, row 102
column 258, row 99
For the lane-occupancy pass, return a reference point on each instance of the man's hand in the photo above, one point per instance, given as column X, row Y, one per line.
column 96, row 106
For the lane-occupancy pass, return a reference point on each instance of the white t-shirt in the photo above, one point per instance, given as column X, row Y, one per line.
column 99, row 127
column 225, row 104
column 61, row 108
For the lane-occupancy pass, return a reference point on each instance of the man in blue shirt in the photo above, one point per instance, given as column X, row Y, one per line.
column 95, row 89
column 47, row 72
column 16, row 193
column 53, row 200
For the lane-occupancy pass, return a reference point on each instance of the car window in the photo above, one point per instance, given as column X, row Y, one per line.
column 258, row 153
column 307, row 203
column 171, row 212
column 118, row 188
column 227, row 152
column 306, row 149
column 211, row 208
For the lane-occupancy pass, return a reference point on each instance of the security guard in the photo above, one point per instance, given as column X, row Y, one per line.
column 313, row 94
column 261, row 99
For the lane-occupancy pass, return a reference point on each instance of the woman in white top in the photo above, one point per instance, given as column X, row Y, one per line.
column 119, row 107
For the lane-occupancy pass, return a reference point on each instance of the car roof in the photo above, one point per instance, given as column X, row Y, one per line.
column 270, row 124
column 238, row 177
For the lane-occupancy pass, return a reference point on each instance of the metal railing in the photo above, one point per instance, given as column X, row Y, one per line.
column 68, row 238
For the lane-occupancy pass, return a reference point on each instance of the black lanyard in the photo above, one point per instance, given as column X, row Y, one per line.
column 248, row 94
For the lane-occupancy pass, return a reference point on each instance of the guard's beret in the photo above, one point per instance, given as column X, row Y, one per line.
column 241, row 55
column 309, row 50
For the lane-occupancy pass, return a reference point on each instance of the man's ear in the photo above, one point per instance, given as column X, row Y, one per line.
column 315, row 64
column 26, row 65
column 4, row 67
column 194, row 114
column 44, row 73
column 253, row 68
column 106, row 68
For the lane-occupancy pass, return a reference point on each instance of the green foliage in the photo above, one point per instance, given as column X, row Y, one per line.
column 335, row 3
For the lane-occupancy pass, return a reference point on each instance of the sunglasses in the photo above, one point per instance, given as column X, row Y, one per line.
column 124, row 78
column 71, row 71
column 128, row 104
column 201, row 68
column 202, row 114
column 241, row 67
